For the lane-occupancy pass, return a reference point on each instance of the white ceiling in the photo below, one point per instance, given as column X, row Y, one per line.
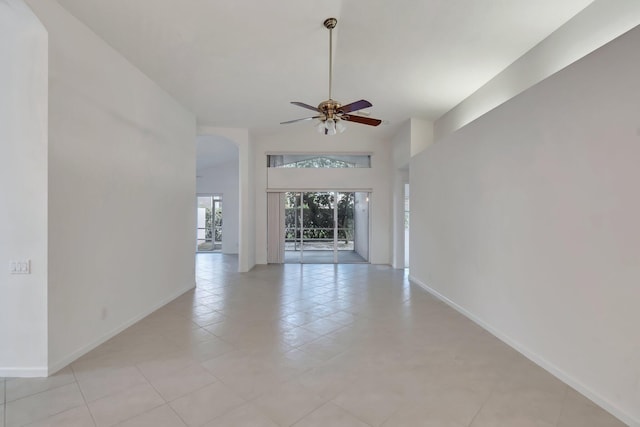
column 239, row 63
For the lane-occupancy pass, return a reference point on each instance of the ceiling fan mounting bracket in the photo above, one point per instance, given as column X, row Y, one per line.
column 330, row 23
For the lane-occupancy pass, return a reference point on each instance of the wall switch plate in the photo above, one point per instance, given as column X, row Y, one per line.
column 20, row 267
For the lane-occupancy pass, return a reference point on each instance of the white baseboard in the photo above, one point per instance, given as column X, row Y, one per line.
column 32, row 372
column 56, row 366
column 535, row 358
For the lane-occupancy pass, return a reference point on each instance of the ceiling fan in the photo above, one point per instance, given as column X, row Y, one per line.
column 332, row 113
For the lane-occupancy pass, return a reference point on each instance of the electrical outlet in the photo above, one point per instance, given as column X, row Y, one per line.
column 20, row 267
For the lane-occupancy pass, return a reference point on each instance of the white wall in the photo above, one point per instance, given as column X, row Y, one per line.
column 401, row 154
column 421, row 135
column 599, row 23
column 248, row 214
column 320, row 178
column 413, row 137
column 401, row 146
column 303, row 138
column 527, row 220
column 223, row 179
column 407, row 196
column 121, row 190
column 23, row 190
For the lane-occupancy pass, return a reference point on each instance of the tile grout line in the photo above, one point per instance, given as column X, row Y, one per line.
column 350, row 413
column 39, row 393
column 168, row 403
column 564, row 403
column 55, row 413
column 84, row 399
column 177, row 414
column 310, row 412
column 482, row 406
column 391, row 415
column 159, row 394
column 6, row 401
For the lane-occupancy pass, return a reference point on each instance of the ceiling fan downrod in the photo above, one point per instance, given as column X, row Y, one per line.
column 330, row 24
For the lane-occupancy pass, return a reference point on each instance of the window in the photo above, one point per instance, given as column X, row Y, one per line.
column 323, row 161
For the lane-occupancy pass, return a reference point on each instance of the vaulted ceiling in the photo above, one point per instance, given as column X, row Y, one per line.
column 239, row 63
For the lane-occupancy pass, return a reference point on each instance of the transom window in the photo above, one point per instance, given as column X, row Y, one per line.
column 323, row 161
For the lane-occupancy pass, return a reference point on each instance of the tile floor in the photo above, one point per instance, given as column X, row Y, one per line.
column 322, row 257
column 311, row 345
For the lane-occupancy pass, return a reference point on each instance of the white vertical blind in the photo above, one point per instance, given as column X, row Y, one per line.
column 275, row 228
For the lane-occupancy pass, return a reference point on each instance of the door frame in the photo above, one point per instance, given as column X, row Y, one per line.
column 334, row 193
column 213, row 236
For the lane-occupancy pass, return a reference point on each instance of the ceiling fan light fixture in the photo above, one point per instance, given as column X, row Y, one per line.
column 340, row 126
column 330, row 125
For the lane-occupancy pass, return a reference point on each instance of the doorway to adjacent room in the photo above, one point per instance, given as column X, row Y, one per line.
column 209, row 223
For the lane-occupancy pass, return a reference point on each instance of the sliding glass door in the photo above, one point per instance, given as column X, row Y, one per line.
column 326, row 227
column 209, row 223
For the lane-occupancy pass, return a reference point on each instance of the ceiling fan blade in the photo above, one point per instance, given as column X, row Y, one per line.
column 303, row 105
column 300, row 120
column 364, row 120
column 355, row 106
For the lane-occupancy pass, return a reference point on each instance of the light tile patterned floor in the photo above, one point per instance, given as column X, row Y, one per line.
column 312, row 345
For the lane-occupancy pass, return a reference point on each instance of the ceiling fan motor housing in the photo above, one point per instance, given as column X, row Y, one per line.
column 329, row 108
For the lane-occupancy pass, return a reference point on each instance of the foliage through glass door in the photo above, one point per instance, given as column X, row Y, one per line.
column 209, row 223
column 320, row 227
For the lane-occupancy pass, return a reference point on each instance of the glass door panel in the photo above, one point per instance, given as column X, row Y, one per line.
column 209, row 223
column 353, row 227
column 292, row 229
column 326, row 227
column 360, row 228
column 318, row 244
column 345, row 221
column 203, row 223
column 216, row 223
